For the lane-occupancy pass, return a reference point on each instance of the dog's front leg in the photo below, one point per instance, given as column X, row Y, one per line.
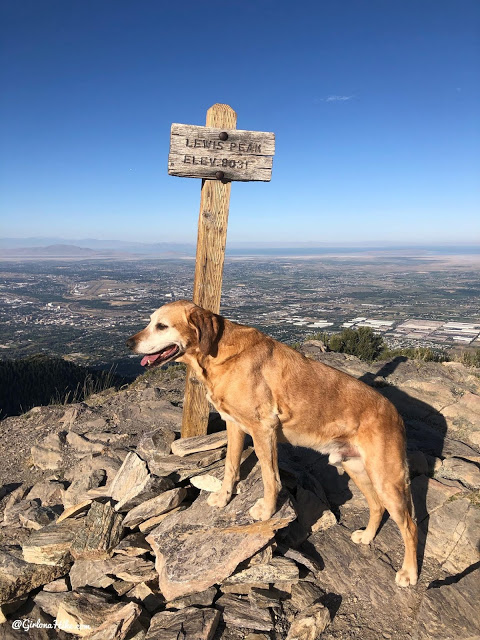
column 265, row 443
column 235, row 442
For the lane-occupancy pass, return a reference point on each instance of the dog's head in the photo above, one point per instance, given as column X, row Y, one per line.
column 175, row 329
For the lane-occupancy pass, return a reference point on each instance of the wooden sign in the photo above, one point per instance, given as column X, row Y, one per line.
column 216, row 153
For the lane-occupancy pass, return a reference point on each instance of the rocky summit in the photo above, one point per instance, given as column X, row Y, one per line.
column 106, row 532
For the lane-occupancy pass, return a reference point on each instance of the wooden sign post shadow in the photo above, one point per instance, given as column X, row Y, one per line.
column 218, row 153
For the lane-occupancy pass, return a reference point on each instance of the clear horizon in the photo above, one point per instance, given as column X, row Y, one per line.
column 375, row 110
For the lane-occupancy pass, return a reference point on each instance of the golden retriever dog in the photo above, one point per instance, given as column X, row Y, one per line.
column 268, row 390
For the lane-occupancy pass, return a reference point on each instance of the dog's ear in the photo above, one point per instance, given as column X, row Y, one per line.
column 207, row 328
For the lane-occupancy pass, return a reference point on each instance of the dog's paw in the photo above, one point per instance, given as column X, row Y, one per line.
column 218, row 499
column 405, row 578
column 361, row 537
column 259, row 511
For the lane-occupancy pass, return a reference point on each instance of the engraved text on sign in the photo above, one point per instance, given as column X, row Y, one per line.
column 198, row 152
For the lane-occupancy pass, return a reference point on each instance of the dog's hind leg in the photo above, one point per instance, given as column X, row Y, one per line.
column 265, row 444
column 357, row 472
column 391, row 484
column 236, row 438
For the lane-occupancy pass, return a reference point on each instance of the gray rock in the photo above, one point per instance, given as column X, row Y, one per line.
column 18, row 577
column 48, row 455
column 51, row 545
column 12, row 508
column 154, row 507
column 82, row 445
column 147, row 526
column 142, row 594
column 101, row 531
column 453, row 537
column 57, row 586
column 277, row 570
column 310, row 623
column 134, row 570
column 187, row 446
column 202, row 546
column 49, row 602
column 451, row 612
column 468, row 473
column 94, row 573
column 50, row 492
column 241, row 613
column 200, row 599
column 105, row 437
column 133, row 545
column 84, row 612
column 182, row 468
column 75, row 510
column 355, row 569
column 156, row 442
column 109, row 462
column 77, row 491
column 131, row 475
column 265, row 598
column 302, row 558
column 436, row 493
column 119, row 625
column 304, row 594
column 35, row 516
column 188, row 624
column 151, row 487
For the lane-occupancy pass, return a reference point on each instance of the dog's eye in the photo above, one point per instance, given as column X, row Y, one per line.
column 160, row 326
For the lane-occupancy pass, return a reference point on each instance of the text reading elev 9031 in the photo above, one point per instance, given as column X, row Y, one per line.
column 200, row 152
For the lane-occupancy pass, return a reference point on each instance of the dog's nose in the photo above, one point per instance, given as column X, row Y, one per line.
column 130, row 343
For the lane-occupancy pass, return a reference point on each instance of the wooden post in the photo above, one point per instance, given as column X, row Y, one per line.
column 207, row 287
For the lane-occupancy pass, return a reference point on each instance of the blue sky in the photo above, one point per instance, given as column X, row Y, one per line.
column 375, row 106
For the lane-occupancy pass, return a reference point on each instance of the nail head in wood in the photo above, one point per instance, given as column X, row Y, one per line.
column 223, row 135
column 219, row 175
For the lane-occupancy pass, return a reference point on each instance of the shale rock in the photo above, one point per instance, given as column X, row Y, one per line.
column 241, row 613
column 156, row 506
column 118, row 625
column 188, row 624
column 82, row 445
column 101, row 531
column 200, row 599
column 451, row 612
column 453, row 537
column 203, row 545
column 186, row 446
column 133, row 545
column 77, row 491
column 277, row 570
column 131, row 475
column 82, row 613
column 51, row 545
column 18, row 577
column 150, row 488
column 142, row 594
column 310, row 623
column 48, row 455
column 182, row 468
column 156, row 442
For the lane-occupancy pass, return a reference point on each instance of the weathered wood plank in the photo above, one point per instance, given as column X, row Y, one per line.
column 200, row 152
column 207, row 286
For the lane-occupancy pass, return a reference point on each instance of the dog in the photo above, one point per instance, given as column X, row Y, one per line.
column 270, row 391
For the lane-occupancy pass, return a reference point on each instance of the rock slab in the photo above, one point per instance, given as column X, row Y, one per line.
column 201, row 546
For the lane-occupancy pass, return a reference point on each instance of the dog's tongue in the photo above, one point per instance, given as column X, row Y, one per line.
column 150, row 359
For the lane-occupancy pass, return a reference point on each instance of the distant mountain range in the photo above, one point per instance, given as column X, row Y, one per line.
column 92, row 248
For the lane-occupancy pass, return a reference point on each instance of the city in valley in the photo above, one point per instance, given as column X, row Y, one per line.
column 85, row 309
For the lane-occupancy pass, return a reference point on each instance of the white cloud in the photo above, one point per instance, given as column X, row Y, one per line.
column 333, row 98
